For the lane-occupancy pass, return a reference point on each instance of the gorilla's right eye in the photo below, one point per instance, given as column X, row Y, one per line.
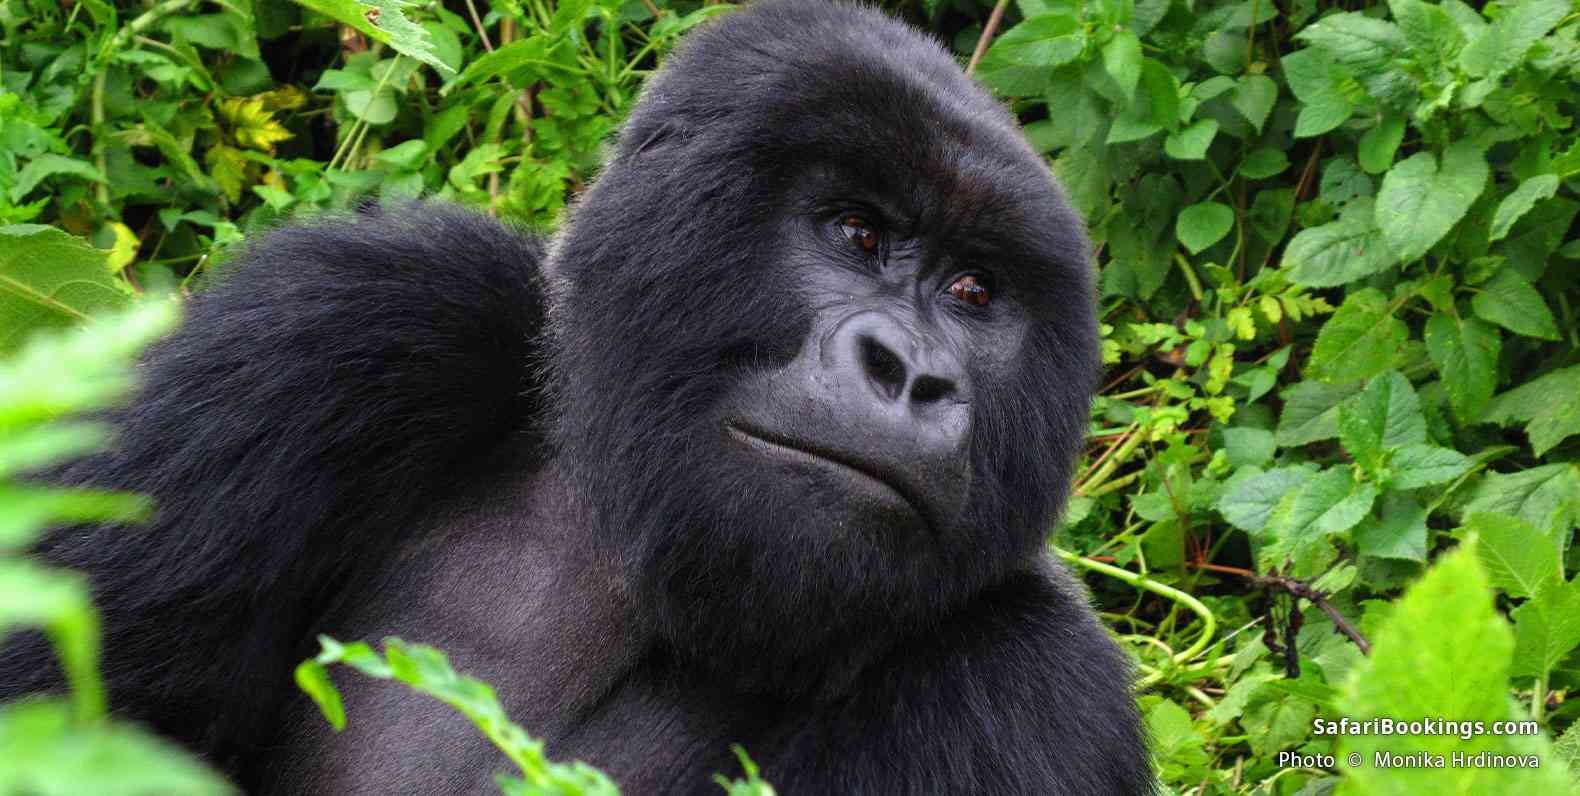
column 859, row 232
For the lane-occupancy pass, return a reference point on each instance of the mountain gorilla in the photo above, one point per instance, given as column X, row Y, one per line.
column 762, row 448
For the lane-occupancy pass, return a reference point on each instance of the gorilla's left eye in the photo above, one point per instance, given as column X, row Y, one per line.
column 858, row 231
column 971, row 290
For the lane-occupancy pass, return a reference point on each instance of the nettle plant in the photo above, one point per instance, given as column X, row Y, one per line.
column 1340, row 288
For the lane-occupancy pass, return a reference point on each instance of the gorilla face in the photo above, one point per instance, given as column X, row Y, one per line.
column 865, row 324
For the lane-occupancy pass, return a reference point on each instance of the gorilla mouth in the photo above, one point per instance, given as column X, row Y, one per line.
column 869, row 470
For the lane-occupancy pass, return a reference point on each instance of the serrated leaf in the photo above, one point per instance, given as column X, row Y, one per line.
column 405, row 36
column 1191, row 143
column 1416, row 466
column 1520, row 202
column 1420, row 666
column 1383, row 417
column 1511, row 302
column 1321, row 86
column 1249, row 499
column 1248, row 446
column 1365, row 47
column 1398, row 533
column 1325, row 504
column 1519, row 558
column 1465, row 351
column 1311, row 412
column 252, row 125
column 1419, row 202
column 1546, row 497
column 1359, row 341
column 1550, row 405
column 1546, row 628
column 50, row 165
column 1341, row 251
column 49, row 278
column 1502, row 45
column 1021, row 61
column 1254, row 97
column 1202, row 224
column 517, row 55
column 1378, row 145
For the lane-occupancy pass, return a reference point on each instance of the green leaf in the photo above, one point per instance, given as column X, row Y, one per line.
column 1311, row 412
column 1419, row 203
column 49, row 165
column 1365, row 47
column 1122, row 59
column 1384, row 416
column 1546, row 497
column 1202, row 224
column 1399, row 533
column 51, row 752
column 1359, row 341
column 1509, row 301
column 1416, row 466
column 49, row 278
column 1156, row 106
column 1263, row 163
column 1022, row 60
column 1502, row 45
column 1339, row 252
column 1520, row 202
column 1323, row 89
column 1248, row 446
column 1249, row 499
column 1546, row 628
column 1325, row 504
column 1254, row 97
column 1420, row 666
column 1191, row 142
column 1519, row 559
column 1378, row 145
column 1465, row 351
column 406, row 37
column 1549, row 404
column 520, row 54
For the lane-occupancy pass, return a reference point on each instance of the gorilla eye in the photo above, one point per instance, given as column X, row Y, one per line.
column 858, row 231
column 970, row 290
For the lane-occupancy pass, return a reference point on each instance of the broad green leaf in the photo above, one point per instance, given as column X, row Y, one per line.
column 1122, row 59
column 49, row 752
column 1249, row 499
column 520, row 54
column 1428, row 30
column 1520, row 202
column 1511, row 302
column 1324, row 90
column 1297, row 531
column 1399, row 532
column 1249, row 446
column 1549, row 405
column 49, row 165
column 1383, row 417
column 1339, row 252
column 49, row 278
column 1416, row 466
column 1519, row 559
column 1190, row 143
column 1502, row 45
column 1545, row 496
column 1364, row 46
column 1465, row 351
column 1378, row 145
column 1420, row 666
column 406, row 37
column 1202, row 224
column 1263, row 163
column 1254, row 97
column 1359, row 341
column 1156, row 106
column 1311, row 412
column 1419, row 202
column 1546, row 628
column 1021, row 61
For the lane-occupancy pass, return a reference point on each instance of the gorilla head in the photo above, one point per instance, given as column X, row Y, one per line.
column 823, row 342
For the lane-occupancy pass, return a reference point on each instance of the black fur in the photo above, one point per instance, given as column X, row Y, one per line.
column 388, row 424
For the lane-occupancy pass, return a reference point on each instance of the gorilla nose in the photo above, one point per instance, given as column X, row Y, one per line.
column 901, row 370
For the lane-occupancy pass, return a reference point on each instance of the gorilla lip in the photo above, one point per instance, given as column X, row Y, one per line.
column 872, row 471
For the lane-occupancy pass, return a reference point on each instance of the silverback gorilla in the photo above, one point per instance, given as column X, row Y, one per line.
column 761, row 448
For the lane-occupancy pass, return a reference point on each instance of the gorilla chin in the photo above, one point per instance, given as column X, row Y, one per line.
column 763, row 448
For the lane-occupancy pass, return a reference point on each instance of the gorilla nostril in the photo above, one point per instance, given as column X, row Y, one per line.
column 883, row 367
column 928, row 389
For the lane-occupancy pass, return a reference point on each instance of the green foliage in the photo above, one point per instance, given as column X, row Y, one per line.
column 67, row 745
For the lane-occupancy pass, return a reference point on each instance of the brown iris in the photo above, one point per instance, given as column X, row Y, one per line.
column 860, row 232
column 970, row 290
